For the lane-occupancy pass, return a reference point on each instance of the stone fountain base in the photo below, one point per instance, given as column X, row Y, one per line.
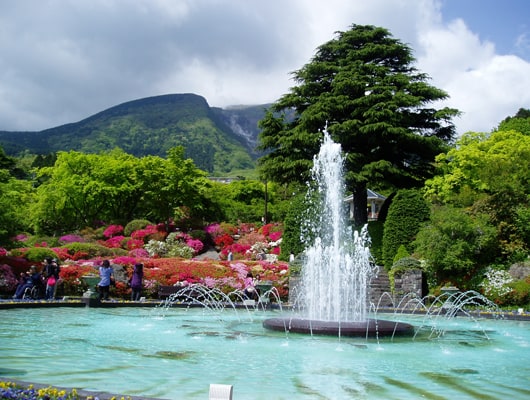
column 368, row 328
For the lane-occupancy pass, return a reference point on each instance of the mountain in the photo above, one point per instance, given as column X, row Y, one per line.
column 218, row 140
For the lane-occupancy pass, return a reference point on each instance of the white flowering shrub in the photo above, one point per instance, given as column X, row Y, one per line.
column 180, row 250
column 173, row 246
column 156, row 248
column 495, row 284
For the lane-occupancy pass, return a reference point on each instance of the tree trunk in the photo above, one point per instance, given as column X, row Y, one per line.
column 360, row 210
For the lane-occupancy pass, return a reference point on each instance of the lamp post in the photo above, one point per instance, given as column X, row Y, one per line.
column 266, row 200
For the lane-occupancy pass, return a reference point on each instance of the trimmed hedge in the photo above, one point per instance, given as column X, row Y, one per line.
column 405, row 216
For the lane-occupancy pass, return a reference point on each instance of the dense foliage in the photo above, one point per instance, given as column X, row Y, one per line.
column 474, row 227
column 149, row 126
column 361, row 87
column 407, row 212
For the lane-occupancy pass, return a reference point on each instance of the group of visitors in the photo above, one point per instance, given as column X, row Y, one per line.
column 106, row 275
column 37, row 285
column 34, row 284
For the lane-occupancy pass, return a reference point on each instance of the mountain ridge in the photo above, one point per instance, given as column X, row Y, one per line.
column 218, row 140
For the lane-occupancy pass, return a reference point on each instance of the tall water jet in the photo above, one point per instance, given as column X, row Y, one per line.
column 337, row 266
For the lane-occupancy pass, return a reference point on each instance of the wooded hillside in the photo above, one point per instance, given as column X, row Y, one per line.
column 219, row 141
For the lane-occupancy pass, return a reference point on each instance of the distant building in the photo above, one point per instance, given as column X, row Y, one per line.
column 222, row 179
column 374, row 202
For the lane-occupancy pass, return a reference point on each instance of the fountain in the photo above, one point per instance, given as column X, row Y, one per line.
column 177, row 352
column 338, row 267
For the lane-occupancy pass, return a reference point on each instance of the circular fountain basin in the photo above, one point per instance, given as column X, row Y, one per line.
column 368, row 328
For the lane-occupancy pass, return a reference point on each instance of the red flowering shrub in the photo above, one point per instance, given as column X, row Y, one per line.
column 71, row 239
column 252, row 238
column 274, row 236
column 139, row 253
column 114, row 242
column 239, row 251
column 72, row 285
column 244, row 228
column 121, row 290
column 141, row 234
column 265, row 229
column 8, row 279
column 125, row 260
column 134, row 244
column 113, row 230
column 224, row 240
column 227, row 228
column 79, row 255
column 61, row 252
column 195, row 244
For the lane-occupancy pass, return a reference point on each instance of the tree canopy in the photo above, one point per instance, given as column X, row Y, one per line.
column 363, row 87
column 488, row 174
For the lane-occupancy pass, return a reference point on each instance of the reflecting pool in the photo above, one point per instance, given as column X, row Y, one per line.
column 176, row 353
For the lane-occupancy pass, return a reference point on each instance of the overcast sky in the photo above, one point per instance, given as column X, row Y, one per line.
column 64, row 60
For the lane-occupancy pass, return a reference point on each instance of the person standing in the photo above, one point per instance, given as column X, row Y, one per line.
column 105, row 273
column 136, row 281
column 51, row 273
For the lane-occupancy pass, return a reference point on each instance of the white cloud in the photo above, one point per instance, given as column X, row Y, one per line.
column 485, row 86
column 63, row 61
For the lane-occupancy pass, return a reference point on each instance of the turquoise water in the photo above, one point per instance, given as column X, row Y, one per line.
column 177, row 353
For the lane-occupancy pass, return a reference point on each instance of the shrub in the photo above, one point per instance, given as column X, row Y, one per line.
column 71, row 239
column 520, row 294
column 38, row 254
column 92, row 250
column 495, row 285
column 400, row 266
column 112, row 230
column 180, row 250
column 41, row 241
column 405, row 215
column 72, row 285
column 134, row 225
column 375, row 230
column 145, row 233
column 114, row 242
column 199, row 235
column 8, row 280
column 401, row 253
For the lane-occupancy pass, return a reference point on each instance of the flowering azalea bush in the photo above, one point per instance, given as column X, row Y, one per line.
column 71, row 239
column 113, row 230
column 8, row 279
column 114, row 242
column 167, row 256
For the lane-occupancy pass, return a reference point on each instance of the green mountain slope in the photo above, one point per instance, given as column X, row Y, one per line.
column 219, row 141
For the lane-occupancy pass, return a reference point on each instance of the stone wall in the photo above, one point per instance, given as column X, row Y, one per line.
column 380, row 293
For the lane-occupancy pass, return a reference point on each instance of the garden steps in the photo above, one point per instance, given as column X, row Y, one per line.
column 378, row 286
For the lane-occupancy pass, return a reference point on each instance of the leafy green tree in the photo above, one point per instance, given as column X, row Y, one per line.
column 292, row 241
column 116, row 187
column 488, row 174
column 456, row 246
column 244, row 200
column 363, row 87
column 520, row 122
column 169, row 184
column 405, row 216
column 15, row 197
column 81, row 189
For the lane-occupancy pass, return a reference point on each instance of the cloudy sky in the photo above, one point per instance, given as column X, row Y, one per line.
column 64, row 60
